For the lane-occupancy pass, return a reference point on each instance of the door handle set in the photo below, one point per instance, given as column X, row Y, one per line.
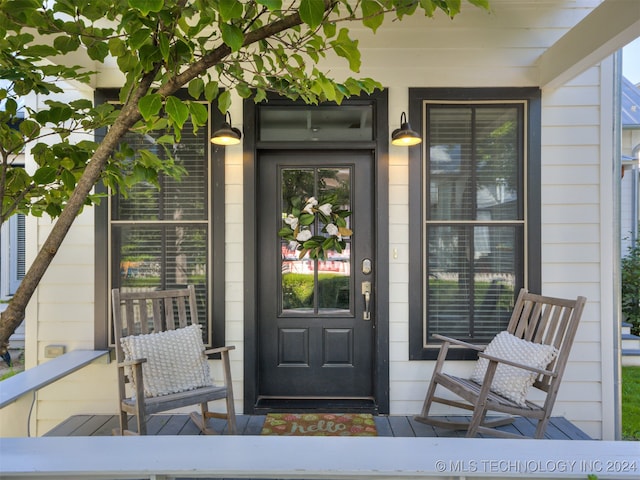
column 367, row 268
column 366, row 292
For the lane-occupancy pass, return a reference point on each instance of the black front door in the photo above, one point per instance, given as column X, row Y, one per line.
column 316, row 332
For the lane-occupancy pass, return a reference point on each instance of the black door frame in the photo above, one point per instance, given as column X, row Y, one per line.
column 380, row 149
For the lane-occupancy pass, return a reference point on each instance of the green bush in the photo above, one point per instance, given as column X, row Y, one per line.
column 631, row 287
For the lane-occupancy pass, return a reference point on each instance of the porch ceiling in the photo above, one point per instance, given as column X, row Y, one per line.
column 609, row 26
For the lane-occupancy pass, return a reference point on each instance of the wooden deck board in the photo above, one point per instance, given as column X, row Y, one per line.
column 569, row 429
column 388, row 426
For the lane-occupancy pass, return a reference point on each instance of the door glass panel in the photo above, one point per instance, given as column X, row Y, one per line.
column 298, row 285
column 334, row 286
column 307, row 285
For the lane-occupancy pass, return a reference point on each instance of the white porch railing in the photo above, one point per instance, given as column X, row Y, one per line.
column 44, row 374
column 17, row 393
column 162, row 457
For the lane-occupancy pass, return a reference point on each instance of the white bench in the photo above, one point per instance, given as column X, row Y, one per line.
column 42, row 375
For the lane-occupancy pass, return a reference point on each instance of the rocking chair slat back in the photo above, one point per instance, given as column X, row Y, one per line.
column 550, row 321
column 155, row 311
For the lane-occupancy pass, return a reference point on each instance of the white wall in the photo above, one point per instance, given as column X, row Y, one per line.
column 474, row 50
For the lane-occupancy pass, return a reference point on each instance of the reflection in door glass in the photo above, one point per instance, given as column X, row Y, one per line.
column 308, row 285
column 334, row 287
column 297, row 281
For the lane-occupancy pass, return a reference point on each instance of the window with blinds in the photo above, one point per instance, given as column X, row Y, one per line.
column 476, row 202
column 474, row 217
column 160, row 237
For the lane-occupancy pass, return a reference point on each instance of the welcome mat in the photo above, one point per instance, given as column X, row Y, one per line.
column 320, row 424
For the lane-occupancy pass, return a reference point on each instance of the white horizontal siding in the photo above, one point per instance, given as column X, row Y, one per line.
column 571, row 234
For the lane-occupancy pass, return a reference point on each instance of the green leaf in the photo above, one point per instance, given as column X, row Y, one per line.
column 272, row 5
column 53, row 210
column 166, row 139
column 243, row 90
column 480, row 3
column 17, row 179
column 150, row 106
column 325, row 86
column 127, row 62
column 230, row 9
column 11, row 106
column 67, row 163
column 66, row 44
column 98, row 51
column 224, row 101
column 196, row 87
column 329, row 29
column 81, row 104
column 307, row 219
column 408, row 8
column 68, row 179
column 40, row 51
column 146, row 6
column 178, row 112
column 454, row 7
column 29, row 128
column 149, row 160
column 44, row 175
column 138, row 38
column 311, row 244
column 199, row 114
column 232, row 36
column 117, row 47
column 257, row 60
column 428, row 7
column 163, row 43
column 312, row 12
column 347, row 48
column 373, row 15
column 285, row 232
column 211, row 91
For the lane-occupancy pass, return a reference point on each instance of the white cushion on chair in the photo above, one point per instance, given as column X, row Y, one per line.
column 512, row 382
column 175, row 360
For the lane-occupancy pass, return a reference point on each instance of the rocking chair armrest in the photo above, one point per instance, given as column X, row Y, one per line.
column 517, row 365
column 130, row 363
column 455, row 341
column 211, row 351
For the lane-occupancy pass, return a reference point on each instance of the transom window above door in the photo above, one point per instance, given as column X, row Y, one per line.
column 473, row 205
column 325, row 123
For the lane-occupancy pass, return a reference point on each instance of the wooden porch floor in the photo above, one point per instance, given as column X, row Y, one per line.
column 387, row 426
